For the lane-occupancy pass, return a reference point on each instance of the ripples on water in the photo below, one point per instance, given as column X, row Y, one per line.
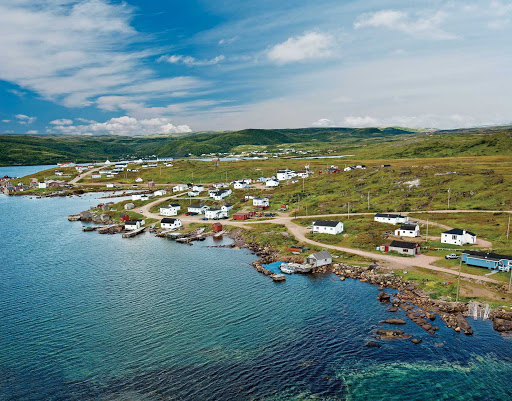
column 86, row 317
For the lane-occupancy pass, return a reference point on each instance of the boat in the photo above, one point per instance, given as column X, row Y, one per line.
column 286, row 268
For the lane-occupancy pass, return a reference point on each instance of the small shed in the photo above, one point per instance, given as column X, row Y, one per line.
column 320, row 259
column 241, row 216
column 216, row 227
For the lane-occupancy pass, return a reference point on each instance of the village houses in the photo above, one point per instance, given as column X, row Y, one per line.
column 327, row 227
column 409, row 229
column 170, row 224
column 456, row 236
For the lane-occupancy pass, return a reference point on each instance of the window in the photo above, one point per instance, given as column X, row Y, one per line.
column 454, row 237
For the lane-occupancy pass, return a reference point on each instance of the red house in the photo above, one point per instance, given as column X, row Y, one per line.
column 216, row 227
column 241, row 216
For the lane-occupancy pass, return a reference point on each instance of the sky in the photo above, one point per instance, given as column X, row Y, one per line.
column 91, row 67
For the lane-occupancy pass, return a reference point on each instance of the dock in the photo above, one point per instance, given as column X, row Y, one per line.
column 133, row 233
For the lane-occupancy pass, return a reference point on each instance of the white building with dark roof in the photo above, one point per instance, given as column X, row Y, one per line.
column 410, row 229
column 170, row 224
column 391, row 218
column 456, row 236
column 327, row 227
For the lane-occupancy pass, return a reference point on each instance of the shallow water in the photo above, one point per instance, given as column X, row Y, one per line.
column 85, row 316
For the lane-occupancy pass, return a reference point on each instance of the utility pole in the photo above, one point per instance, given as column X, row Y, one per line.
column 458, row 280
column 368, row 200
column 426, row 237
column 348, row 211
column 510, row 281
column 508, row 227
column 302, row 183
column 448, row 198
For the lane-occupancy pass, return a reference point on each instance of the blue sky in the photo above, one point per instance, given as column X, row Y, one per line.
column 163, row 66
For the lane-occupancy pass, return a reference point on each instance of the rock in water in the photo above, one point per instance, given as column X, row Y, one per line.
column 373, row 344
column 393, row 321
column 384, row 297
column 416, row 340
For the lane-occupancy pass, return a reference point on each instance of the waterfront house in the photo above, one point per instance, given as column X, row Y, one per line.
column 410, row 229
column 133, row 224
column 197, row 208
column 171, row 210
column 456, row 236
column 319, row 259
column 327, row 227
column 491, row 261
column 216, row 227
column 180, row 188
column 261, row 202
column 402, row 247
column 271, row 183
column 168, row 223
column 390, row 218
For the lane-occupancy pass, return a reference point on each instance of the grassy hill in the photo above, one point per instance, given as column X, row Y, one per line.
column 388, row 142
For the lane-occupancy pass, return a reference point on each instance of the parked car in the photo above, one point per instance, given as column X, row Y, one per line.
column 452, row 256
column 205, row 218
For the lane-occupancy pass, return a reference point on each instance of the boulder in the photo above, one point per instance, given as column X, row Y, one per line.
column 387, row 333
column 384, row 297
column 85, row 216
column 502, row 325
column 373, row 344
column 393, row 321
column 416, row 340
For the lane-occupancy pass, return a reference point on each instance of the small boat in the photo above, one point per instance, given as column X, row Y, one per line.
column 285, row 268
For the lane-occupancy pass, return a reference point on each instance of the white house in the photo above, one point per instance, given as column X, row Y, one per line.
column 260, row 202
column 198, row 188
column 390, row 218
column 196, row 208
column 138, row 179
column 96, row 176
column 239, row 185
column 110, row 185
column 193, row 193
column 262, row 179
column 327, row 227
column 409, row 229
column 59, row 172
column 171, row 210
column 211, row 192
column 160, row 192
column 215, row 214
column 272, row 183
column 42, row 185
column 145, row 197
column 170, row 224
column 285, row 174
column 180, row 188
column 226, row 208
column 221, row 194
column 319, row 259
column 349, row 168
column 456, row 236
column 136, row 197
column 133, row 224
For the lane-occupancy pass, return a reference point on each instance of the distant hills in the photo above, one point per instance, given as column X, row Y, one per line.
column 365, row 142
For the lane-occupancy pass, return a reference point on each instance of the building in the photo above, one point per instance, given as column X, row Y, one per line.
column 193, row 193
column 215, row 214
column 487, row 260
column 410, row 229
column 271, row 183
column 197, row 208
column 136, row 197
column 390, row 218
column 216, row 227
column 319, row 259
column 261, row 202
column 110, row 185
column 241, row 216
column 285, row 174
column 59, row 172
column 129, row 206
column 226, row 208
column 138, row 179
column 42, row 185
column 239, row 185
column 198, row 188
column 327, row 227
column 180, row 188
column 456, row 236
column 171, row 210
column 403, row 247
column 133, row 224
column 221, row 194
column 160, row 192
column 170, row 224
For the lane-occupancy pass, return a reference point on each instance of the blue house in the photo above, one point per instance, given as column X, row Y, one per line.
column 488, row 260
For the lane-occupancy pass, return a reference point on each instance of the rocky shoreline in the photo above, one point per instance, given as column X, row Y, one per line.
column 407, row 296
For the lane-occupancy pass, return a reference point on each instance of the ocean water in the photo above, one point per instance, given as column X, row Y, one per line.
column 85, row 316
column 21, row 171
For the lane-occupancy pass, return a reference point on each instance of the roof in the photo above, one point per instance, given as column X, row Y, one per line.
column 132, row 222
column 195, row 206
column 390, row 215
column 174, row 205
column 409, row 226
column 458, row 231
column 321, row 255
column 485, row 255
column 326, row 223
column 403, row 244
column 168, row 220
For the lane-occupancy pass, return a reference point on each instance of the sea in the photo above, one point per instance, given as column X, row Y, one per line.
column 85, row 316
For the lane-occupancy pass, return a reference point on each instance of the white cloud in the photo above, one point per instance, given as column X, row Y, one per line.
column 190, row 61
column 6, row 121
column 309, row 46
column 24, row 120
column 62, row 121
column 124, row 125
column 32, row 132
column 226, row 41
column 323, row 122
column 423, row 24
column 72, row 52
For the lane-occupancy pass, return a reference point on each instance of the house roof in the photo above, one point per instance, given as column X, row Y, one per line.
column 321, row 255
column 390, row 215
column 409, row 226
column 403, row 244
column 168, row 220
column 485, row 255
column 326, row 223
column 195, row 206
column 458, row 231
column 132, row 222
column 174, row 205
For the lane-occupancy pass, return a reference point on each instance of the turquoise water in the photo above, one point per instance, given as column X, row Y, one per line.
column 91, row 317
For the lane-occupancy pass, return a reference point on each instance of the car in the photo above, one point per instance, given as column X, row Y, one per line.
column 452, row 256
column 205, row 218
column 140, row 211
column 188, row 214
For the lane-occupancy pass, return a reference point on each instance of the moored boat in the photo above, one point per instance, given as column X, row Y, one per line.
column 286, row 268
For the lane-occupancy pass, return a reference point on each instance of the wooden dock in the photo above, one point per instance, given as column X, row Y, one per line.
column 133, row 233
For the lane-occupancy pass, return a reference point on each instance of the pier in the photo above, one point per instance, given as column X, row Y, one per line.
column 133, row 233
